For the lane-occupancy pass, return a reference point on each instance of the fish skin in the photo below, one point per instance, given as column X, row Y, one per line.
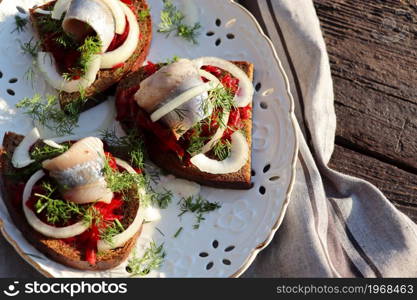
column 96, row 15
column 79, row 172
column 167, row 83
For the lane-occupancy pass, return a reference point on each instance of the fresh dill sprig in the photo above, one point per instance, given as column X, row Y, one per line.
column 111, row 231
column 197, row 141
column 48, row 113
column 31, row 48
column 172, row 60
column 49, row 25
column 56, row 210
column 221, row 100
column 178, row 232
column 121, row 182
column 172, row 21
column 65, row 41
column 132, row 144
column 143, row 14
column 222, row 149
column 91, row 47
column 199, row 206
column 152, row 259
column 20, row 23
column 41, row 153
column 163, row 199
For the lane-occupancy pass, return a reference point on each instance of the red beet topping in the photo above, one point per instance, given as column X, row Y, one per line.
column 119, row 39
column 87, row 241
column 128, row 109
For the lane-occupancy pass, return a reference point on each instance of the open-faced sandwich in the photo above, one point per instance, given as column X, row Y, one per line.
column 196, row 118
column 75, row 201
column 87, row 46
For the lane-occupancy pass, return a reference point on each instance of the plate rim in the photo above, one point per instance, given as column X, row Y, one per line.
column 261, row 246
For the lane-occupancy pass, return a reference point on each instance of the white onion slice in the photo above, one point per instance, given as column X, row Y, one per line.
column 218, row 135
column 42, row 11
column 238, row 158
column 181, row 99
column 245, row 92
column 38, row 224
column 60, row 7
column 21, row 155
column 126, row 50
column 47, row 66
column 120, row 239
column 118, row 14
column 52, row 144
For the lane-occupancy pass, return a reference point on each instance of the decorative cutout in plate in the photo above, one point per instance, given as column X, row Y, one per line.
column 229, row 239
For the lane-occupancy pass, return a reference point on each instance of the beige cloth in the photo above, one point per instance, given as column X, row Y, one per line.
column 336, row 225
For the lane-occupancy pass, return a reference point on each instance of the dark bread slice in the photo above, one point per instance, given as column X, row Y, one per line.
column 107, row 78
column 170, row 161
column 53, row 248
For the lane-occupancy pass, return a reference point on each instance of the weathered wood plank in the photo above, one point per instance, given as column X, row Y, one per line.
column 373, row 53
column 399, row 186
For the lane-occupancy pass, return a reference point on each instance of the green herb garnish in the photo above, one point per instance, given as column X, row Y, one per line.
column 143, row 14
column 222, row 149
column 90, row 48
column 178, row 232
column 152, row 259
column 162, row 200
column 197, row 141
column 111, row 231
column 221, row 100
column 20, row 23
column 172, row 21
column 56, row 210
column 132, row 144
column 31, row 48
column 48, row 113
column 41, row 153
column 199, row 206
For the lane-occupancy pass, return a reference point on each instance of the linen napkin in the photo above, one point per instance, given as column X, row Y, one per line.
column 336, row 225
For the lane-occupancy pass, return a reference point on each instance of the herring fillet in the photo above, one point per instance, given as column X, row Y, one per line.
column 167, row 83
column 93, row 13
column 79, row 171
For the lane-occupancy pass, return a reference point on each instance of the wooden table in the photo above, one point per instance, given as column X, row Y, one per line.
column 372, row 46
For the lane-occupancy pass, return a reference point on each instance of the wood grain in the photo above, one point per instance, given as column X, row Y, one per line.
column 373, row 54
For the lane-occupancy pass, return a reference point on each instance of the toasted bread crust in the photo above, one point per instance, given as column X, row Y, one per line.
column 106, row 78
column 53, row 248
column 170, row 161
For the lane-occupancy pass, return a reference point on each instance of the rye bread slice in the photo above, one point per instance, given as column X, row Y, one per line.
column 56, row 249
column 170, row 162
column 106, row 78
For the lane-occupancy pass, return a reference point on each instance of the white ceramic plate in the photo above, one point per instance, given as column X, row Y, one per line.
column 230, row 238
